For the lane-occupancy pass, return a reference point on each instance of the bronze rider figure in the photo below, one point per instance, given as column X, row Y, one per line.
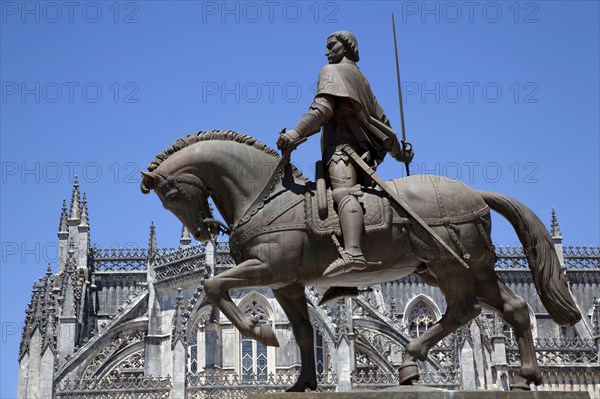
column 347, row 110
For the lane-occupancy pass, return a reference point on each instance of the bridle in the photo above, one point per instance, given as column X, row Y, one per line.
column 205, row 214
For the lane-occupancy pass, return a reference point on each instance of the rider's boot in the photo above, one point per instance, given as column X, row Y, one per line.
column 352, row 224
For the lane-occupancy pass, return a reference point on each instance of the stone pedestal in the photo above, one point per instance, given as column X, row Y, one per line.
column 423, row 393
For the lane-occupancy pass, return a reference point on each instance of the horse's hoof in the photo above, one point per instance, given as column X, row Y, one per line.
column 266, row 335
column 407, row 373
column 519, row 384
column 301, row 386
column 531, row 375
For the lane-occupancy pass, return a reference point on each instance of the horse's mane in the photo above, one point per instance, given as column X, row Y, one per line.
column 222, row 135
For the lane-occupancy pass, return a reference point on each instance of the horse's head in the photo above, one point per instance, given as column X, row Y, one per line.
column 186, row 196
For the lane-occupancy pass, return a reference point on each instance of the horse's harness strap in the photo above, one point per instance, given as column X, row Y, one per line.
column 466, row 218
column 263, row 227
column 260, row 199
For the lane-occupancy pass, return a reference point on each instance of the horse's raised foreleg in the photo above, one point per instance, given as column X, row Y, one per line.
column 250, row 273
column 457, row 286
column 514, row 310
column 293, row 302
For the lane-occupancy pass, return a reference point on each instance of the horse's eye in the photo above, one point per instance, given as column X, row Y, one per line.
column 172, row 195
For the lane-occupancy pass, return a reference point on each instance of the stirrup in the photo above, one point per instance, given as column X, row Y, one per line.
column 346, row 264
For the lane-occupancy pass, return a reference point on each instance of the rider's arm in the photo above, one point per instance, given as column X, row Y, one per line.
column 318, row 114
column 380, row 114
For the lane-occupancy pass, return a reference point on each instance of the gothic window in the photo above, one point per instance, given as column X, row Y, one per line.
column 421, row 317
column 320, row 348
column 319, row 351
column 254, row 354
column 193, row 348
column 197, row 343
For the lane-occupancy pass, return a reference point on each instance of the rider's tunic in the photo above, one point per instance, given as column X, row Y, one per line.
column 358, row 119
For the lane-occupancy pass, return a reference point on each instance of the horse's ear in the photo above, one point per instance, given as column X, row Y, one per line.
column 149, row 181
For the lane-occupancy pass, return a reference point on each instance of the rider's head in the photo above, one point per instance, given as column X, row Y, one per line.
column 349, row 42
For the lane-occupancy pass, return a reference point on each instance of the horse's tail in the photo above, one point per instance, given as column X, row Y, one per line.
column 541, row 256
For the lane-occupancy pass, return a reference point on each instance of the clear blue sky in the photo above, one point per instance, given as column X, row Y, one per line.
column 503, row 95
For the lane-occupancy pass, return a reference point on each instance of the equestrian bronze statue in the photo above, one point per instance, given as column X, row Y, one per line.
column 285, row 245
column 285, row 230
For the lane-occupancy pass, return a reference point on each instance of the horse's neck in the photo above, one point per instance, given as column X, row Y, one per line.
column 236, row 173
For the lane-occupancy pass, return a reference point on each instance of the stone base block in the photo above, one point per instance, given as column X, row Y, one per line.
column 422, row 393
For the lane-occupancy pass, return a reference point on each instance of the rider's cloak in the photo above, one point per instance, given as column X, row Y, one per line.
column 358, row 118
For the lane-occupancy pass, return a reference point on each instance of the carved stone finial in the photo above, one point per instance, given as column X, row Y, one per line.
column 75, row 199
column 84, row 222
column 554, row 227
column 152, row 240
column 63, row 227
column 185, row 239
column 49, row 270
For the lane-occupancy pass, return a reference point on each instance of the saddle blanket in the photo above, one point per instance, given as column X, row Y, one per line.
column 377, row 213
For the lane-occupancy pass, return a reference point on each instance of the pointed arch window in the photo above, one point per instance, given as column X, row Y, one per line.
column 319, row 352
column 197, row 342
column 421, row 317
column 254, row 356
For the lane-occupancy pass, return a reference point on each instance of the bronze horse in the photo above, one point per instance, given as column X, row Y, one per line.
column 273, row 245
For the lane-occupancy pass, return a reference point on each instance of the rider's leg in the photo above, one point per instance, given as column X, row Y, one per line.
column 345, row 195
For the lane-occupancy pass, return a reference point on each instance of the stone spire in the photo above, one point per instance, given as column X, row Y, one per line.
column 75, row 200
column 152, row 246
column 50, row 314
column 554, row 227
column 185, row 239
column 63, row 227
column 84, row 222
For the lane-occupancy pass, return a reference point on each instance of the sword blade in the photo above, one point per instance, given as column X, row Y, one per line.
column 399, row 81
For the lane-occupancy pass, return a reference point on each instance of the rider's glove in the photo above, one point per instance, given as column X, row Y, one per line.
column 288, row 140
column 405, row 156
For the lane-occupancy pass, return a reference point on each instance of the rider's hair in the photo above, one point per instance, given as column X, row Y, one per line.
column 349, row 41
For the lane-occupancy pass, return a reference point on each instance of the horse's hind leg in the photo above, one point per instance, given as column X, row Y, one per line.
column 293, row 302
column 250, row 273
column 457, row 285
column 495, row 294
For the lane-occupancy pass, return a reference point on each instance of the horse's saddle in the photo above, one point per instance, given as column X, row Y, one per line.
column 377, row 213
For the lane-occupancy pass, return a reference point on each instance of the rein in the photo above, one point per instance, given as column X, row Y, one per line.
column 259, row 201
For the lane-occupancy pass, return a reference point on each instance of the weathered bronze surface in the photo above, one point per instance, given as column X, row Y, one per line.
column 280, row 239
column 275, row 247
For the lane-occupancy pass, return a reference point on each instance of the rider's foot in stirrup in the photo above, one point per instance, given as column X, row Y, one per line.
column 346, row 264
